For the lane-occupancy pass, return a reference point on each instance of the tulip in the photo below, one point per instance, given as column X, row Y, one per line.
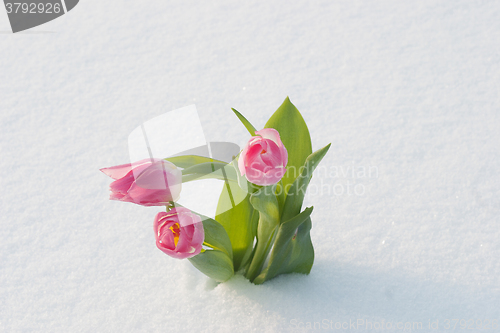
column 151, row 182
column 264, row 158
column 179, row 233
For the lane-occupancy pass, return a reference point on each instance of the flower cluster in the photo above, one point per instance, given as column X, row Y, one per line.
column 230, row 242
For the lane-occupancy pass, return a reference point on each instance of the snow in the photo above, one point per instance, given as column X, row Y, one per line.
column 406, row 90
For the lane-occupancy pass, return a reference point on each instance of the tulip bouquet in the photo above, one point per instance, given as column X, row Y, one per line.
column 259, row 229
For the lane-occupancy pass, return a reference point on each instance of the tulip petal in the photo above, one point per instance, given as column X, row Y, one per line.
column 184, row 244
column 122, row 185
column 254, row 176
column 150, row 182
column 270, row 134
column 159, row 176
column 198, row 234
column 120, row 171
column 147, row 197
column 241, row 161
column 116, row 196
column 167, row 239
column 158, row 222
column 264, row 158
column 117, row 172
column 272, row 156
column 185, row 216
column 189, row 230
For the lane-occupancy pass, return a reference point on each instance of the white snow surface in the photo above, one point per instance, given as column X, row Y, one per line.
column 407, row 92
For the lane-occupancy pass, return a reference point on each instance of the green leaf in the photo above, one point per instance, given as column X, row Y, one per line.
column 245, row 122
column 296, row 192
column 216, row 236
column 245, row 262
column 195, row 176
column 200, row 167
column 294, row 134
column 266, row 203
column 214, row 264
column 186, row 161
column 234, row 213
column 212, row 170
column 204, row 168
column 293, row 251
column 280, row 195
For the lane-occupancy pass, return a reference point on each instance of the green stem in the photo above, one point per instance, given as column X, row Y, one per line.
column 266, row 203
column 280, row 196
column 261, row 252
column 247, row 258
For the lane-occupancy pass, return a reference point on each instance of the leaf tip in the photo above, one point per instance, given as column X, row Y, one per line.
column 251, row 129
column 287, row 101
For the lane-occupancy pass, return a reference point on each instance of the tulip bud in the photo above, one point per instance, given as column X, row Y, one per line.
column 264, row 158
column 148, row 182
column 179, row 233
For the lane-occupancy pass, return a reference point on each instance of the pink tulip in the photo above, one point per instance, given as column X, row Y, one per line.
column 179, row 233
column 147, row 182
column 264, row 158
